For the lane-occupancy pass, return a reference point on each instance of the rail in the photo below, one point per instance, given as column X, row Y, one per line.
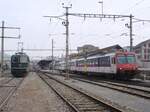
column 8, row 89
column 77, row 103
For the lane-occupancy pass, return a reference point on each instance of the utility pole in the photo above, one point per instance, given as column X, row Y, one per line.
column 2, row 43
column 52, row 56
column 2, row 48
column 130, row 26
column 131, row 39
column 66, row 24
column 101, row 2
column 67, row 38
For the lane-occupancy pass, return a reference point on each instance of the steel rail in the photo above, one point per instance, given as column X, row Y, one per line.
column 4, row 81
column 6, row 99
column 134, row 91
column 128, row 86
column 123, row 87
column 61, row 96
column 119, row 87
column 117, row 108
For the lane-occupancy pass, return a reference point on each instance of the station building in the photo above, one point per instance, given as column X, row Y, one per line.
column 89, row 50
column 143, row 53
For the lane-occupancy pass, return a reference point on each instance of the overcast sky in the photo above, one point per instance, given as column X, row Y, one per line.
column 35, row 29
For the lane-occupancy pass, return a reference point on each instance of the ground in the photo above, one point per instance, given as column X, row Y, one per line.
column 35, row 96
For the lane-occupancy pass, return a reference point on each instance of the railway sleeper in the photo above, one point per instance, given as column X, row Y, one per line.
column 85, row 109
column 91, row 106
column 86, row 104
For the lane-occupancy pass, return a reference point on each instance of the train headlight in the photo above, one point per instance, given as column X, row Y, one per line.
column 136, row 67
column 120, row 68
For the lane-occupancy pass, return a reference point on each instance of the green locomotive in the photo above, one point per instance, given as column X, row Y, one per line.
column 19, row 64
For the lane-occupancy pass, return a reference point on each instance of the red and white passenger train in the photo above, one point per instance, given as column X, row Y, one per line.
column 120, row 65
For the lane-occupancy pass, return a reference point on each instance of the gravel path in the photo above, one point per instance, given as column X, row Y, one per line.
column 35, row 96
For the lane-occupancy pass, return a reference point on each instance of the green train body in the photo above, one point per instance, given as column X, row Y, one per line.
column 19, row 64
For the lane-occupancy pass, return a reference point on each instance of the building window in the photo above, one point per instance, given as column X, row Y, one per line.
column 144, row 56
column 148, row 56
column 148, row 50
column 144, row 50
column 139, row 57
column 144, row 45
column 137, row 51
column 149, row 45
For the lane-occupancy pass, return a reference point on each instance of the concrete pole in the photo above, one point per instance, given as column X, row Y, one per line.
column 2, row 48
column 67, row 46
column 52, row 56
column 101, row 2
column 131, row 39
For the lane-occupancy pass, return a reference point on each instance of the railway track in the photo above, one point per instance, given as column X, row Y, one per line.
column 5, row 80
column 121, row 87
column 80, row 100
column 125, row 88
column 98, row 78
column 7, row 89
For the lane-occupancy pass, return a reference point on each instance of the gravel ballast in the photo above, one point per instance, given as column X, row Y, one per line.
column 130, row 101
column 35, row 96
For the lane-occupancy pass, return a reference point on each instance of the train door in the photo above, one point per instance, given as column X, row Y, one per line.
column 113, row 65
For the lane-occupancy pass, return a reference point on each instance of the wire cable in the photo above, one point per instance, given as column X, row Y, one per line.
column 135, row 5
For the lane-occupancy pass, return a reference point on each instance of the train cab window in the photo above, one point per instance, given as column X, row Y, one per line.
column 121, row 59
column 23, row 59
column 131, row 58
column 15, row 59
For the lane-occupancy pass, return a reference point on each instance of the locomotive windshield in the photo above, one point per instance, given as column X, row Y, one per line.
column 23, row 59
column 131, row 59
column 15, row 59
column 122, row 59
column 20, row 59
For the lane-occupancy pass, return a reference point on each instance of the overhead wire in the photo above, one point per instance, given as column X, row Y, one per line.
column 137, row 20
column 69, row 2
column 138, row 3
column 141, row 20
column 135, row 5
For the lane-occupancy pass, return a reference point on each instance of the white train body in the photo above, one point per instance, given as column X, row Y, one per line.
column 112, row 63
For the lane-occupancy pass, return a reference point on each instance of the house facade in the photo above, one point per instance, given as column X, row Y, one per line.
column 87, row 48
column 143, row 53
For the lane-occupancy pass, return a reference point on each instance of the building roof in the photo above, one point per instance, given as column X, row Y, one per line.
column 44, row 62
column 87, row 47
column 140, row 44
column 106, row 50
column 99, row 51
